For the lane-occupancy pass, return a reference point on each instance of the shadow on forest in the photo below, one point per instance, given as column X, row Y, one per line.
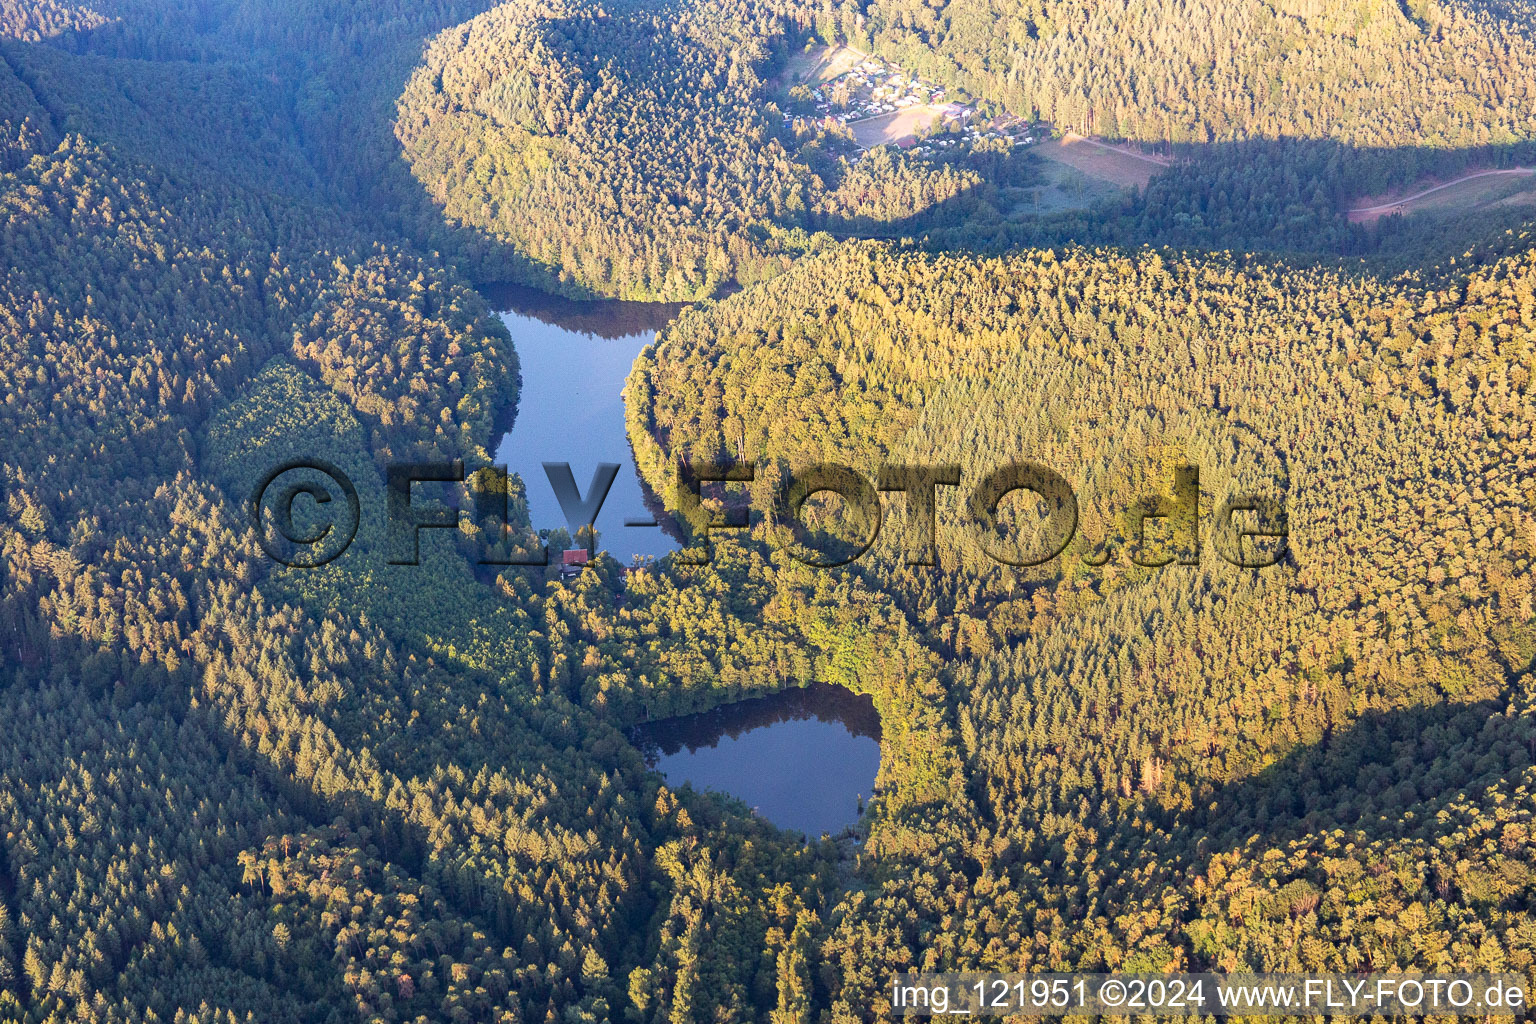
column 603, row 318
column 1389, row 776
column 270, row 133
column 1369, row 774
column 1282, row 195
column 1287, row 196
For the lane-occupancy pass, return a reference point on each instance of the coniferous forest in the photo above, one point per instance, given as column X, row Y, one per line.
column 239, row 232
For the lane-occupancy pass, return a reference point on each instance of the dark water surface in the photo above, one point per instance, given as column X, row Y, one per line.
column 801, row 758
column 575, row 357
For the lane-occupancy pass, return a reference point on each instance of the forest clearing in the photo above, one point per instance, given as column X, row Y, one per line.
column 890, row 128
column 1101, row 160
column 820, row 65
column 1468, row 192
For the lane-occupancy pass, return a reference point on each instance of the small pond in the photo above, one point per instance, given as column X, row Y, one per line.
column 803, row 758
column 575, row 357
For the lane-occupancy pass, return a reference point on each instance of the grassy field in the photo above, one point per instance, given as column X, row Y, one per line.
column 875, row 131
column 821, row 64
column 1079, row 172
column 1061, row 188
column 1106, row 163
column 1476, row 191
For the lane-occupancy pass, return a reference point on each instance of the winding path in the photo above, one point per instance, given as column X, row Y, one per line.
column 1384, row 207
column 1072, row 137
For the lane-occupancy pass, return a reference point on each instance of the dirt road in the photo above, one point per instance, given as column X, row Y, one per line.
column 1394, row 204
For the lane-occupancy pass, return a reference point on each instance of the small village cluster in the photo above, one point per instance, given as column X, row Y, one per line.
column 1017, row 133
column 875, row 89
column 872, row 88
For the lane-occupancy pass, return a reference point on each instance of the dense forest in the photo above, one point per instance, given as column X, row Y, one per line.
column 1371, row 73
column 1276, row 116
column 242, row 232
column 636, row 150
column 1144, row 750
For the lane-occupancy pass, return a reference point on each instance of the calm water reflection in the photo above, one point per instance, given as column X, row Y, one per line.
column 601, row 318
column 575, row 358
column 801, row 758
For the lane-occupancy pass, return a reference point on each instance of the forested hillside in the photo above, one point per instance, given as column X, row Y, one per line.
column 1112, row 369
column 237, row 792
column 1277, row 117
column 234, row 791
column 618, row 149
column 634, row 150
column 1372, row 73
column 1145, row 749
column 638, row 152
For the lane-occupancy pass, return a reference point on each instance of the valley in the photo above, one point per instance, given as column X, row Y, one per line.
column 1154, row 247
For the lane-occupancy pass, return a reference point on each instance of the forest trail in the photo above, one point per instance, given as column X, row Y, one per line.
column 1365, row 211
column 1121, row 168
column 1072, row 138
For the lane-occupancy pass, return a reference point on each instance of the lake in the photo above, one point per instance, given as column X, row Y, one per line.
column 575, row 357
column 802, row 758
